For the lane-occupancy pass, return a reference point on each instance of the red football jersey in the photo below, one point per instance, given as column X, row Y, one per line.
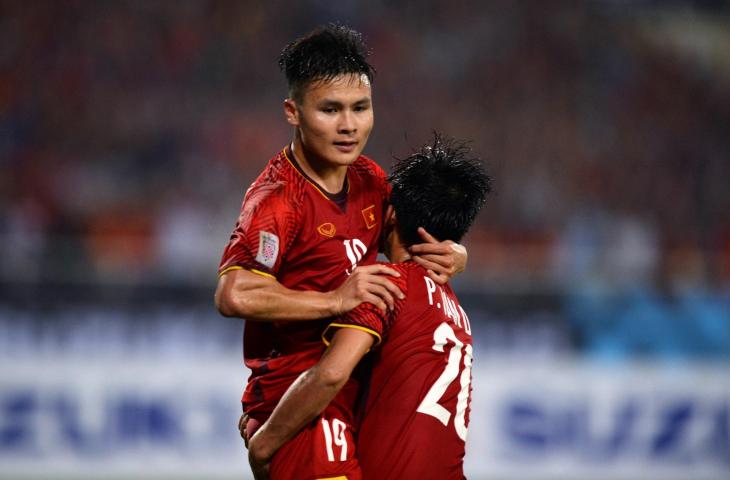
column 307, row 239
column 417, row 407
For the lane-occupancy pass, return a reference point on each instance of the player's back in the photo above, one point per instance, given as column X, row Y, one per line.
column 417, row 409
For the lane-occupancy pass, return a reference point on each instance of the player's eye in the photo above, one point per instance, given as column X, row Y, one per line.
column 329, row 110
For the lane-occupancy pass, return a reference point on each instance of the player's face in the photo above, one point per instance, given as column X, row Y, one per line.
column 333, row 119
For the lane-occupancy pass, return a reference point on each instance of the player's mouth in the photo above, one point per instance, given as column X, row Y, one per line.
column 345, row 147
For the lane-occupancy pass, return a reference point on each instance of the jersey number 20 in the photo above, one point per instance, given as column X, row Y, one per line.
column 430, row 405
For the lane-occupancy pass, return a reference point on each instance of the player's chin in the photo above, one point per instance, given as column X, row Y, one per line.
column 345, row 158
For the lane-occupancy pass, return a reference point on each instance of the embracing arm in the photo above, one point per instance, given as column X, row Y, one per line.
column 242, row 293
column 308, row 396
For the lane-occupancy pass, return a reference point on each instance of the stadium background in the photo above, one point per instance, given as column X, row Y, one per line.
column 598, row 283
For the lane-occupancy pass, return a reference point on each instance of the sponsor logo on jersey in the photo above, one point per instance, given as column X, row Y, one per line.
column 327, row 229
column 369, row 215
column 268, row 249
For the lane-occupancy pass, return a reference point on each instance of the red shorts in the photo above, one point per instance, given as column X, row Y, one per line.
column 323, row 450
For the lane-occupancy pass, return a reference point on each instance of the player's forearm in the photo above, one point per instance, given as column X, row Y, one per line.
column 253, row 297
column 283, row 304
column 306, row 398
column 311, row 392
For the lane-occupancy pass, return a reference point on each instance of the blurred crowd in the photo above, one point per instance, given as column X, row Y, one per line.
column 129, row 132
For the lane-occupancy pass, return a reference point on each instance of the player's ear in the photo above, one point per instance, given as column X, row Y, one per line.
column 291, row 111
column 390, row 216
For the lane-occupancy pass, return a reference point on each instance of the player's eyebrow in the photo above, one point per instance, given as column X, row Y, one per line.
column 330, row 102
column 363, row 102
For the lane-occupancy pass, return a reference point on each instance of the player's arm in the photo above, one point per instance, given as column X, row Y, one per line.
column 308, row 396
column 442, row 260
column 242, row 293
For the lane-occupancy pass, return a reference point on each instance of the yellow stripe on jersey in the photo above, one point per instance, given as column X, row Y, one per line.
column 356, row 327
column 236, row 267
column 333, row 478
column 229, row 269
column 263, row 274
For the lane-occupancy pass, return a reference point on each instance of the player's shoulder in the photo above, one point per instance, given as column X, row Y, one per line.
column 280, row 169
column 407, row 268
column 277, row 185
column 417, row 279
column 406, row 271
column 366, row 166
column 413, row 270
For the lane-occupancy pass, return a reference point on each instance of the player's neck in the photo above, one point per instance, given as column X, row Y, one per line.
column 394, row 248
column 329, row 177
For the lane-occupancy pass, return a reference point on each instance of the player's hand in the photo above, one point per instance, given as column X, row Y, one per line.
column 442, row 260
column 258, row 459
column 242, row 422
column 260, row 469
column 367, row 284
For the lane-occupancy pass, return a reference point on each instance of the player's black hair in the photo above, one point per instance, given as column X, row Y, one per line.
column 322, row 55
column 441, row 188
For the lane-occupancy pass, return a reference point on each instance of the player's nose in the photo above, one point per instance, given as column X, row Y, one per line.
column 347, row 123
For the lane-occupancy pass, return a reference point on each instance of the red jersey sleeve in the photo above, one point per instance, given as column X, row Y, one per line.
column 369, row 318
column 264, row 232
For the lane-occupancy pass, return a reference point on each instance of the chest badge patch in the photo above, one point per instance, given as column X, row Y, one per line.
column 327, row 229
column 369, row 215
column 268, row 249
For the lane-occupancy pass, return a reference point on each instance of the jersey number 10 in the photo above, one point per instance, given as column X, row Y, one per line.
column 355, row 251
column 430, row 405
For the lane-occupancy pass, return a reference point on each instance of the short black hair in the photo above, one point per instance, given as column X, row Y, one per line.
column 441, row 188
column 323, row 54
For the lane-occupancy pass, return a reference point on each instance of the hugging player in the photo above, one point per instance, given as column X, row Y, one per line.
column 416, row 412
column 304, row 246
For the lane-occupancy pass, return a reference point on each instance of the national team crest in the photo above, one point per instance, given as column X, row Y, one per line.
column 369, row 215
column 268, row 249
column 327, row 229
